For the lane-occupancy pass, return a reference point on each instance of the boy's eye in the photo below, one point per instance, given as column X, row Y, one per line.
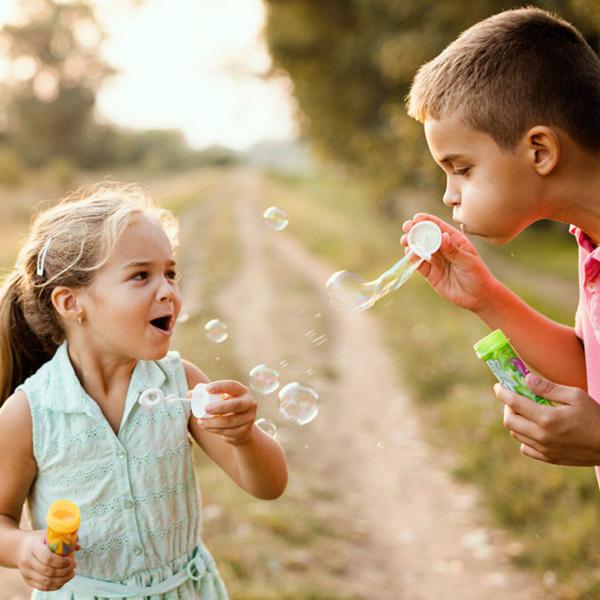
column 463, row 171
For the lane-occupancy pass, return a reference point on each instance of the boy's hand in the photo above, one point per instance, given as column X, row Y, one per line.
column 567, row 433
column 456, row 271
column 234, row 416
column 41, row 569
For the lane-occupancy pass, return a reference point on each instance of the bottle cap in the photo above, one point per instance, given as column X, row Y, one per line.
column 200, row 398
column 424, row 239
column 63, row 516
column 492, row 341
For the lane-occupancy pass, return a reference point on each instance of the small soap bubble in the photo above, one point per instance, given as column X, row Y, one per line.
column 298, row 403
column 283, row 364
column 318, row 315
column 349, row 291
column 216, row 331
column 183, row 317
column 276, row 218
column 268, row 427
column 379, row 446
column 310, row 371
column 263, row 379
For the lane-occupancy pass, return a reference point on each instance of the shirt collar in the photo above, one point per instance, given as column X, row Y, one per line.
column 585, row 241
column 66, row 394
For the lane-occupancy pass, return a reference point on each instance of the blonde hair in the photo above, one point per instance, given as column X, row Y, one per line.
column 77, row 236
column 510, row 72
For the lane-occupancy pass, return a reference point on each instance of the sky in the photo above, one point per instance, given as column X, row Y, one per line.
column 192, row 65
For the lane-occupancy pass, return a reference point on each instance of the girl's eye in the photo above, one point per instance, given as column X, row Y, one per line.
column 141, row 276
column 174, row 275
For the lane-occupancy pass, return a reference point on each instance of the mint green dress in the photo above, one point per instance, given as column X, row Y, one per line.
column 140, row 504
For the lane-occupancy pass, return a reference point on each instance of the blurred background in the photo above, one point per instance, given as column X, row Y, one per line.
column 406, row 485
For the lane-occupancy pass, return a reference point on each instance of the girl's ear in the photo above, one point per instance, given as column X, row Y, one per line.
column 67, row 304
column 543, row 149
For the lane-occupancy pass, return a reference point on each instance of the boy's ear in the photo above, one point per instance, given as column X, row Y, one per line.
column 67, row 304
column 543, row 149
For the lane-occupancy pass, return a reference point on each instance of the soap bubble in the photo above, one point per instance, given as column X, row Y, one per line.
column 349, row 291
column 183, row 317
column 216, row 331
column 263, row 379
column 268, row 427
column 298, row 403
column 275, row 218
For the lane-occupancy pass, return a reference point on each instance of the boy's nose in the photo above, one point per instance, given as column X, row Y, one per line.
column 451, row 197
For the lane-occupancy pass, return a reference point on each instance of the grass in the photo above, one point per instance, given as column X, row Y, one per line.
column 551, row 510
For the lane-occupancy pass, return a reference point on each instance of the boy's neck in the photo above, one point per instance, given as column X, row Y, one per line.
column 576, row 195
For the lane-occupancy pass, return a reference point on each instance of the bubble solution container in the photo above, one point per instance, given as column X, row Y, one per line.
column 505, row 364
column 63, row 520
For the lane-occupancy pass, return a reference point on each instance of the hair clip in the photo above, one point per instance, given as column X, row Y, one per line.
column 42, row 257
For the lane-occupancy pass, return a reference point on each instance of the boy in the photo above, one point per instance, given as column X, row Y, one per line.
column 511, row 111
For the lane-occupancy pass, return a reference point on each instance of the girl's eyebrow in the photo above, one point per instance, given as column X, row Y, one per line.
column 144, row 263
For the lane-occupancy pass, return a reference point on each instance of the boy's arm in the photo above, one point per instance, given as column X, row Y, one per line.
column 548, row 347
column 459, row 274
column 257, row 464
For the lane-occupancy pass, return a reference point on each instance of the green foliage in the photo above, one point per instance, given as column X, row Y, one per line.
column 52, row 93
column 351, row 63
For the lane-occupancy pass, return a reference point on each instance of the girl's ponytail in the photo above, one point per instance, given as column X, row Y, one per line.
column 22, row 353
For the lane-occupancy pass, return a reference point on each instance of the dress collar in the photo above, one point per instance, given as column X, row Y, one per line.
column 66, row 394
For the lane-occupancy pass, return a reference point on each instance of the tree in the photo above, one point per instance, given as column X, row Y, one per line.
column 56, row 72
column 351, row 63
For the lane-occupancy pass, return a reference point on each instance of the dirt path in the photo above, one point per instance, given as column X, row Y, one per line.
column 427, row 538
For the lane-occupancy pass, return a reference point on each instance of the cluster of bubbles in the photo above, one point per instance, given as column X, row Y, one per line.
column 297, row 402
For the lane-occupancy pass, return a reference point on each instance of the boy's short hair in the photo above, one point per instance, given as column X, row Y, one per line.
column 510, row 72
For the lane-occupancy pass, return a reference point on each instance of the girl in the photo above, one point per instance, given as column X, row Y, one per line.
column 86, row 318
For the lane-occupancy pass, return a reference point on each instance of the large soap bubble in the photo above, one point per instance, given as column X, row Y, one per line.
column 298, row 403
column 263, row 379
column 216, row 331
column 276, row 218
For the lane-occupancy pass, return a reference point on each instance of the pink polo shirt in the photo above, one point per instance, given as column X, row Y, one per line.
column 587, row 317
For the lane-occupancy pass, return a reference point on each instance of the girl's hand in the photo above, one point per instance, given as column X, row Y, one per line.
column 567, row 433
column 456, row 271
column 41, row 569
column 234, row 416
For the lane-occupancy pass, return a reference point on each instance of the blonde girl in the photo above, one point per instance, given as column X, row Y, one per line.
column 86, row 319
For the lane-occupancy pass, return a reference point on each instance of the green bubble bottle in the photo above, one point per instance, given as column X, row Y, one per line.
column 505, row 364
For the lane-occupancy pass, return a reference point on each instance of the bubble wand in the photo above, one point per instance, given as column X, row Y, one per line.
column 350, row 291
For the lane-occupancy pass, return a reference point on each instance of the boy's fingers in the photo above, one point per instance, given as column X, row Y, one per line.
column 226, row 386
column 555, row 392
column 519, row 404
column 533, row 453
column 519, row 424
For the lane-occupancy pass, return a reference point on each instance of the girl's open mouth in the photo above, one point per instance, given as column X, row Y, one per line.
column 163, row 324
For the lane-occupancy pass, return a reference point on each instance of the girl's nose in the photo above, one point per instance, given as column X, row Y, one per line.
column 166, row 290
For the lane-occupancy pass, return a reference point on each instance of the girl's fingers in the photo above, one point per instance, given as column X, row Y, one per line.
column 227, row 386
column 219, row 424
column 46, row 583
column 234, row 405
column 46, row 570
